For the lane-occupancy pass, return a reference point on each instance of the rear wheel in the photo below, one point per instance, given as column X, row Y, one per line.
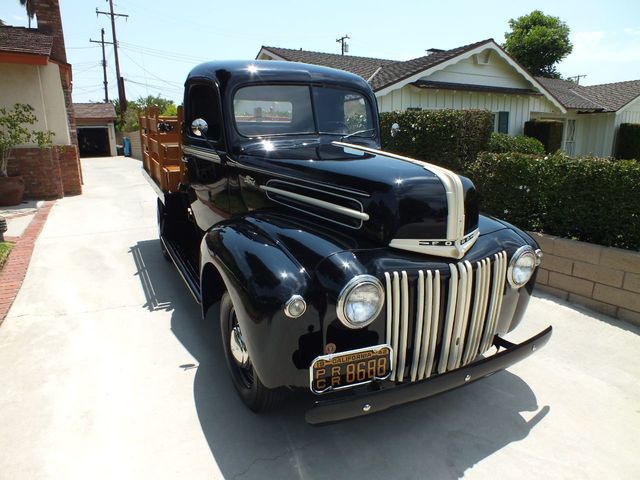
column 246, row 381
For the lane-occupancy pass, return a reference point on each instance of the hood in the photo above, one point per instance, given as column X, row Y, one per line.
column 396, row 201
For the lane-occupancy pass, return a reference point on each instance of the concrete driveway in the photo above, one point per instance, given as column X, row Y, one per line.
column 107, row 371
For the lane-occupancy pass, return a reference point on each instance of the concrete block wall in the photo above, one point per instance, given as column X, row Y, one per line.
column 605, row 279
column 136, row 146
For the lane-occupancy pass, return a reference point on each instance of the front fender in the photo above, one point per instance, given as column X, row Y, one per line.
column 260, row 275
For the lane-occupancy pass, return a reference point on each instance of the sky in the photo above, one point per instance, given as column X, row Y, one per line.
column 160, row 41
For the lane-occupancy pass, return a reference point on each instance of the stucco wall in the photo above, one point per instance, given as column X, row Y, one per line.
column 40, row 87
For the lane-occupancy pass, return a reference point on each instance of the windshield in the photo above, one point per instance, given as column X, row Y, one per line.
column 267, row 110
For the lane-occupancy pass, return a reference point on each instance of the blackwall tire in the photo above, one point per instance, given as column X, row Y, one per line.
column 245, row 380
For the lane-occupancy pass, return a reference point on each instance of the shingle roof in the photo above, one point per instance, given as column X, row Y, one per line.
column 94, row 111
column 398, row 71
column 384, row 72
column 363, row 66
column 25, row 40
column 615, row 95
column 607, row 97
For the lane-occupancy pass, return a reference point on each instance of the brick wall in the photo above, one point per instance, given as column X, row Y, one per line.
column 49, row 21
column 604, row 279
column 48, row 172
column 70, row 170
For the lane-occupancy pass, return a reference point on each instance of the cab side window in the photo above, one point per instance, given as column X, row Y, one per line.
column 204, row 103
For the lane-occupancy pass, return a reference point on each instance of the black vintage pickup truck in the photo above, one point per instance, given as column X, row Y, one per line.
column 367, row 277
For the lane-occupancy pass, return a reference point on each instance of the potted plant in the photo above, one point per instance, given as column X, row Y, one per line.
column 14, row 130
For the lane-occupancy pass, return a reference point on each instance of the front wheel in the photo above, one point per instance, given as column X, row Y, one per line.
column 245, row 380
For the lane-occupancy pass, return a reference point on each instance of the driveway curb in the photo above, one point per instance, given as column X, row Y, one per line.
column 15, row 269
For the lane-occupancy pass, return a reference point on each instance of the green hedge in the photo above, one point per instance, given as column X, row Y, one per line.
column 549, row 132
column 450, row 138
column 590, row 199
column 503, row 143
column 628, row 144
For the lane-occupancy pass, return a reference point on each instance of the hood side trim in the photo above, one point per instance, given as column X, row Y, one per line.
column 349, row 212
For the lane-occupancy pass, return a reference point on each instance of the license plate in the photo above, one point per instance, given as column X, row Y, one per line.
column 348, row 369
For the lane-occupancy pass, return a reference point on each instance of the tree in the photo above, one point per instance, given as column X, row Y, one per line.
column 130, row 121
column 30, row 6
column 538, row 42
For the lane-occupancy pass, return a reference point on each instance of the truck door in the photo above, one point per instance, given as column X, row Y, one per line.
column 208, row 183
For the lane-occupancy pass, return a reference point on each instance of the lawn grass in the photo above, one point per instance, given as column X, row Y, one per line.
column 5, row 248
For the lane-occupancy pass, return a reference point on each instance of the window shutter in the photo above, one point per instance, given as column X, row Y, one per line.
column 503, row 122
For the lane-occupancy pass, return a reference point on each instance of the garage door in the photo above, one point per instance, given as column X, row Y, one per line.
column 93, row 141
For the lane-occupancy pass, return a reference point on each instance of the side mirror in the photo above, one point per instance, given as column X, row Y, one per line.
column 199, row 127
column 395, row 128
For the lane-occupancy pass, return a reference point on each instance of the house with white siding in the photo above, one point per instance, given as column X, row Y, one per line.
column 594, row 113
column 479, row 76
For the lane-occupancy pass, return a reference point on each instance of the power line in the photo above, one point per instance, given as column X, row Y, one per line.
column 163, row 52
column 172, row 84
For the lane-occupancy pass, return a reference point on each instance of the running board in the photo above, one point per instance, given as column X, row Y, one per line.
column 183, row 269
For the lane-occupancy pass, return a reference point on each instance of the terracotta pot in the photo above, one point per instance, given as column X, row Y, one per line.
column 11, row 190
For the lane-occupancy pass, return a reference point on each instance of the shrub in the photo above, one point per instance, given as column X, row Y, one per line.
column 450, row 138
column 503, row 143
column 15, row 129
column 549, row 132
column 591, row 199
column 628, row 144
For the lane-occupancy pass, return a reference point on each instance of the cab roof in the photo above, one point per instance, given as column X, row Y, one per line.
column 227, row 73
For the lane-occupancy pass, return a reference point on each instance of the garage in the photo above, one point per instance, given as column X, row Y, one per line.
column 95, row 128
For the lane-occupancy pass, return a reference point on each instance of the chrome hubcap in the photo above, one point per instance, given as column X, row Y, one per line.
column 238, row 347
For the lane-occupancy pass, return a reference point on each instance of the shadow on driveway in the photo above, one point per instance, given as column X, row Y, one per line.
column 440, row 437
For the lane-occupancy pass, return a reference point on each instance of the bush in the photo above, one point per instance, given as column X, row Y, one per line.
column 451, row 138
column 503, row 143
column 628, row 144
column 590, row 199
column 549, row 132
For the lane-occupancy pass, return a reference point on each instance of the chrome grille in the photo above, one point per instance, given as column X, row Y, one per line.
column 452, row 320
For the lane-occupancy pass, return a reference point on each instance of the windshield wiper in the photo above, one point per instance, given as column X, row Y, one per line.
column 366, row 130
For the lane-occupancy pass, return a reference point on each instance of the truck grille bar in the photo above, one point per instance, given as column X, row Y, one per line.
column 452, row 320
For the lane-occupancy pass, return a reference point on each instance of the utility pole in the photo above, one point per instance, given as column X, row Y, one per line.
column 121, row 94
column 577, row 78
column 104, row 65
column 345, row 45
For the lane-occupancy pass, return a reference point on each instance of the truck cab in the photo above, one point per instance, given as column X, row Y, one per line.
column 369, row 278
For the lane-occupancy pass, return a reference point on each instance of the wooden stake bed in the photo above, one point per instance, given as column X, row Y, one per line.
column 161, row 148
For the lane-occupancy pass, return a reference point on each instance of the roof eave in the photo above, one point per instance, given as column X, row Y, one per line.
column 270, row 53
column 23, row 58
column 383, row 90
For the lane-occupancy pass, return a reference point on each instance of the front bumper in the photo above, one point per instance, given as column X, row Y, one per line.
column 372, row 402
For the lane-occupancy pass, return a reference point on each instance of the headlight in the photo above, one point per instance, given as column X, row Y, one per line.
column 360, row 301
column 521, row 266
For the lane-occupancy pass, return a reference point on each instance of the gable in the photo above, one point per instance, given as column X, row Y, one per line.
column 485, row 68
